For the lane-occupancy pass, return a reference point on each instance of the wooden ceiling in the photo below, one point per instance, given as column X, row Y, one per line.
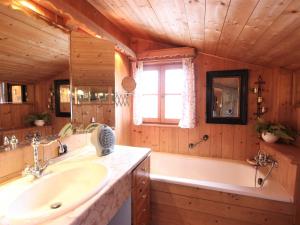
column 30, row 48
column 265, row 32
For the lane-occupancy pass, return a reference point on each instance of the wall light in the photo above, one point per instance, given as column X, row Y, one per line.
column 22, row 4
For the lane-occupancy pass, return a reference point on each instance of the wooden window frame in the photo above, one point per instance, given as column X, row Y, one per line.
column 161, row 68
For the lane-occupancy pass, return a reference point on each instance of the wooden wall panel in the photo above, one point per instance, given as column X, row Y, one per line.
column 201, row 206
column 42, row 94
column 83, row 113
column 122, row 113
column 296, row 104
column 91, row 60
column 225, row 141
column 13, row 115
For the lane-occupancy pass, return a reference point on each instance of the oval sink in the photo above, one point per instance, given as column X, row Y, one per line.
column 56, row 194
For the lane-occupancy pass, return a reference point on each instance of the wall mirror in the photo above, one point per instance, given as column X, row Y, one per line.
column 62, row 98
column 93, row 80
column 226, row 97
column 34, row 53
column 12, row 92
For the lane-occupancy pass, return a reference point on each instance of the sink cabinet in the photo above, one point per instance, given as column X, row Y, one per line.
column 141, row 193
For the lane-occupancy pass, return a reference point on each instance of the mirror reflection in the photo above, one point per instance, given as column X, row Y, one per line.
column 92, row 64
column 33, row 54
column 15, row 93
column 62, row 98
column 64, row 92
column 226, row 96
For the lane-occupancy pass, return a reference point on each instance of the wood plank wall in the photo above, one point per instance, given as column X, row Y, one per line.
column 41, row 100
column 296, row 108
column 195, row 206
column 13, row 115
column 225, row 141
column 122, row 113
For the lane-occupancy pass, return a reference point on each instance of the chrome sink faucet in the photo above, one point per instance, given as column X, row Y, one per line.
column 37, row 169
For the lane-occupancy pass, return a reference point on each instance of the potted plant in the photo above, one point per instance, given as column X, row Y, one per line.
column 38, row 119
column 272, row 132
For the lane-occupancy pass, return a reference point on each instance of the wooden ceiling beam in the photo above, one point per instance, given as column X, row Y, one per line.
column 34, row 9
column 181, row 52
column 81, row 14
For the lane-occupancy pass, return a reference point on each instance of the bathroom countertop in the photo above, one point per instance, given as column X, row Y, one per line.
column 101, row 207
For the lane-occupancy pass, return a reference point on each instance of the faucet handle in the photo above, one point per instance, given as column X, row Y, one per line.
column 26, row 170
column 35, row 139
column 6, row 140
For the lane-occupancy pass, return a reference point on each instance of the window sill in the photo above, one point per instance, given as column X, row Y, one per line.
column 159, row 125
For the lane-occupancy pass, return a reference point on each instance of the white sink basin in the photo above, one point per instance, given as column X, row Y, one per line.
column 56, row 194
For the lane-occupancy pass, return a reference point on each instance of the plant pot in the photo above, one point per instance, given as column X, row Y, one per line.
column 269, row 137
column 39, row 123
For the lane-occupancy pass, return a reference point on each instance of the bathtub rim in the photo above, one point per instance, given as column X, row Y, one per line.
column 265, row 193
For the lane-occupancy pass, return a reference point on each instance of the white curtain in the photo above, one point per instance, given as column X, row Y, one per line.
column 137, row 68
column 188, row 114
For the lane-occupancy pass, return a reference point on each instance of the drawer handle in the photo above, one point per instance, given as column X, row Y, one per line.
column 144, row 169
column 143, row 182
column 144, row 209
column 144, row 196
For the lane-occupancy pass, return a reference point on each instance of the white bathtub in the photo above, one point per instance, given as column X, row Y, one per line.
column 216, row 174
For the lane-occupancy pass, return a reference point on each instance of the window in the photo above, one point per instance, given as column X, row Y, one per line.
column 162, row 86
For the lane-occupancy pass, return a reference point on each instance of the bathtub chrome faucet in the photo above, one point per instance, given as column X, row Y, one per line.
column 37, row 169
column 262, row 160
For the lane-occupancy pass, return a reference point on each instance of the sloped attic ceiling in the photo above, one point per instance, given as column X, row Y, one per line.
column 265, row 32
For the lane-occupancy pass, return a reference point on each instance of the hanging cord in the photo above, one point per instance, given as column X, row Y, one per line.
column 268, row 174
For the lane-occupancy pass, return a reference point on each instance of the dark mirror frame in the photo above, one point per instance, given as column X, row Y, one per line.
column 57, row 84
column 23, row 92
column 243, row 75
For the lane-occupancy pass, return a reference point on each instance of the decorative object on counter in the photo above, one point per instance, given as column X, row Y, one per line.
column 91, row 127
column 128, row 84
column 10, row 143
column 272, row 132
column 13, row 142
column 62, row 149
column 103, row 138
column 260, row 109
column 6, row 143
column 193, row 145
column 67, row 130
column 38, row 119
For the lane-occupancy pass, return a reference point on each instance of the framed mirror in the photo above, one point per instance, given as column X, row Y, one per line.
column 62, row 98
column 227, row 97
column 16, row 93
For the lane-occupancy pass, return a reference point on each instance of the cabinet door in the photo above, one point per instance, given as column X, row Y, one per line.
column 141, row 194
